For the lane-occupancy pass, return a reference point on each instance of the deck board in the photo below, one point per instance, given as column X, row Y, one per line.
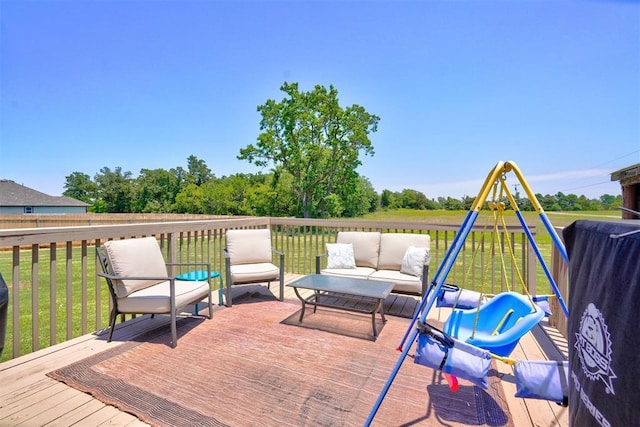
column 79, row 414
column 28, row 397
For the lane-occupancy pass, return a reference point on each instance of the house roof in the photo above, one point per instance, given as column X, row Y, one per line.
column 627, row 173
column 12, row 194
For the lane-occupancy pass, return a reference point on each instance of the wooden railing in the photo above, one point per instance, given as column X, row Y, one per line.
column 560, row 274
column 56, row 295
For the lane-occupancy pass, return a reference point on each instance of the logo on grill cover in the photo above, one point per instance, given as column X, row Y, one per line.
column 593, row 343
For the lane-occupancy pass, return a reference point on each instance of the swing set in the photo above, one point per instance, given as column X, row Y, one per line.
column 472, row 337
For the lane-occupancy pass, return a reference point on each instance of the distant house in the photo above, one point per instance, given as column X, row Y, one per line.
column 18, row 199
column 630, row 181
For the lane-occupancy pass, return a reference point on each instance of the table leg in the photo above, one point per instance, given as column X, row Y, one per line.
column 373, row 323
column 378, row 307
column 382, row 311
column 304, row 304
column 317, row 298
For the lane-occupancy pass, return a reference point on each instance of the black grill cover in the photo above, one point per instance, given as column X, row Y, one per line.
column 604, row 322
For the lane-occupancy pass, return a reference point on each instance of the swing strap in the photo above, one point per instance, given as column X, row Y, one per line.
column 446, row 342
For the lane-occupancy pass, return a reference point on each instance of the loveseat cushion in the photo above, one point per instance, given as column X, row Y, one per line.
column 140, row 257
column 155, row 299
column 366, row 245
column 403, row 283
column 358, row 272
column 393, row 247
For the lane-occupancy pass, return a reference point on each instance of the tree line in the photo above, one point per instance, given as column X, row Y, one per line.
column 312, row 147
column 196, row 190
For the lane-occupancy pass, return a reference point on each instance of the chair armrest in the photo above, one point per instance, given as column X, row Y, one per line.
column 172, row 282
column 227, row 271
column 114, row 277
column 281, row 256
column 318, row 256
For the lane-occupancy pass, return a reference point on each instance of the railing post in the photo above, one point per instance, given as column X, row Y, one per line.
column 14, row 295
column 560, row 273
column 53, row 259
column 532, row 263
column 35, row 310
column 172, row 248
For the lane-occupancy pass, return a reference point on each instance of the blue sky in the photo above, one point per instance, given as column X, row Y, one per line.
column 458, row 85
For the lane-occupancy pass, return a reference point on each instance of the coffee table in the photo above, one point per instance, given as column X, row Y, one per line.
column 337, row 292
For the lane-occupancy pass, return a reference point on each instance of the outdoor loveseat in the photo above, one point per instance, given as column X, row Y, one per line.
column 401, row 258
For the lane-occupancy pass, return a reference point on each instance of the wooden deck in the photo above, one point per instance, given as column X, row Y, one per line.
column 29, row 398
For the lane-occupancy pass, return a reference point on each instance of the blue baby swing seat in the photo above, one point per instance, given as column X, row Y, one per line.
column 497, row 325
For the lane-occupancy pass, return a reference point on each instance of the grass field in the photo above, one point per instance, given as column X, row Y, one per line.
column 70, row 304
column 557, row 219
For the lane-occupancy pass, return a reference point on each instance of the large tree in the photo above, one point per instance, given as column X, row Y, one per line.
column 155, row 190
column 197, row 171
column 309, row 136
column 115, row 193
column 79, row 186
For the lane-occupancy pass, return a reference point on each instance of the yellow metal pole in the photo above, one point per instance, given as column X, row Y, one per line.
column 486, row 187
column 510, row 166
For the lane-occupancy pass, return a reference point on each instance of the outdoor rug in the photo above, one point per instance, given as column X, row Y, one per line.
column 253, row 365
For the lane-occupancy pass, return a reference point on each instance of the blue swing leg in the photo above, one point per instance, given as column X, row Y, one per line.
column 436, row 276
column 445, row 268
column 560, row 247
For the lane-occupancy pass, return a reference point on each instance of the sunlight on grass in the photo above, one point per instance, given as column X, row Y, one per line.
column 74, row 303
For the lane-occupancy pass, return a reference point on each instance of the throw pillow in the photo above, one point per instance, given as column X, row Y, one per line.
column 413, row 260
column 340, row 255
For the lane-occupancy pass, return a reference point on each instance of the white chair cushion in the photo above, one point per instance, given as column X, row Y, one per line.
column 262, row 271
column 393, row 246
column 340, row 255
column 414, row 260
column 135, row 257
column 249, row 246
column 366, row 245
column 155, row 299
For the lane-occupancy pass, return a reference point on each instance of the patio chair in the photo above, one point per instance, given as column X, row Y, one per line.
column 139, row 282
column 248, row 259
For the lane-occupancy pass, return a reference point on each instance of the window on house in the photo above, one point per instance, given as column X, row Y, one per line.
column 28, row 209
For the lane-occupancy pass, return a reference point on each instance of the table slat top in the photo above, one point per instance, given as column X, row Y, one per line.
column 346, row 285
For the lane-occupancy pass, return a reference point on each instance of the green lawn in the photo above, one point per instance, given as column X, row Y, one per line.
column 542, row 238
column 70, row 307
column 557, row 219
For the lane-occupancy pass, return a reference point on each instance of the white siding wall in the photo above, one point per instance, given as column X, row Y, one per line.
column 44, row 210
